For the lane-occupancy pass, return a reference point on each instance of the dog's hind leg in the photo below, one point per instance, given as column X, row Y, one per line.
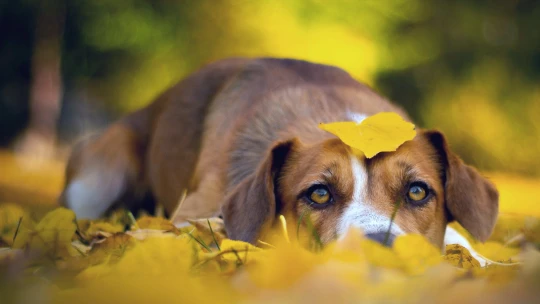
column 101, row 170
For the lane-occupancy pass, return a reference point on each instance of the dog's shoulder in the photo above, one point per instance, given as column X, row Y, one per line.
column 296, row 71
column 313, row 73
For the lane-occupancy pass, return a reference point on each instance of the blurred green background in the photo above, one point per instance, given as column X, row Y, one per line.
column 469, row 68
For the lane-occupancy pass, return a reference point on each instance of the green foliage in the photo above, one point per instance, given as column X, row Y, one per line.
column 455, row 65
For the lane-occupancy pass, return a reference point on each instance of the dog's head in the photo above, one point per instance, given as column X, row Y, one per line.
column 422, row 186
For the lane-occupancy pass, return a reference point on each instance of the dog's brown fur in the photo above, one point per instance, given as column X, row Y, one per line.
column 240, row 136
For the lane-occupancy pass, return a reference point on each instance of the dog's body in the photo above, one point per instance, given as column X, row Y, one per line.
column 242, row 137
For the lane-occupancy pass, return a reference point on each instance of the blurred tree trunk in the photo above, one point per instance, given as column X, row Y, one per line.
column 39, row 139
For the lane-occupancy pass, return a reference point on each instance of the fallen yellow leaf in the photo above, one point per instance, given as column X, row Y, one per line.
column 416, row 253
column 51, row 235
column 210, row 231
column 10, row 217
column 460, row 256
column 237, row 251
column 496, row 251
column 382, row 132
column 91, row 230
column 294, row 263
column 157, row 256
column 113, row 247
column 158, row 223
column 379, row 255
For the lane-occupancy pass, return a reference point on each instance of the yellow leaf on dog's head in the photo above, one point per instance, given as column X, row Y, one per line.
column 382, row 132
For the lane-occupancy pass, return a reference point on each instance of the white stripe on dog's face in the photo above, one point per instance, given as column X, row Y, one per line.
column 360, row 211
column 357, row 117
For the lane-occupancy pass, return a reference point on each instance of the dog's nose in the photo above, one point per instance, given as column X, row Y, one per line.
column 385, row 238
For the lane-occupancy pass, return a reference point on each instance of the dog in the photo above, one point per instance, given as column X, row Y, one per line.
column 241, row 136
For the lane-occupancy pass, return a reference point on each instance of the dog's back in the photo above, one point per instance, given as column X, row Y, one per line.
column 275, row 99
column 209, row 132
column 242, row 137
column 151, row 152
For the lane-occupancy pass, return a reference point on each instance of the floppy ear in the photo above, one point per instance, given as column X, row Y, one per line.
column 251, row 207
column 470, row 198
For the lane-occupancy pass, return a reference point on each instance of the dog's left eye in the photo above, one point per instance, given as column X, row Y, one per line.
column 319, row 195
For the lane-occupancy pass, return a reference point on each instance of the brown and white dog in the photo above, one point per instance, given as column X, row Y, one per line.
column 242, row 137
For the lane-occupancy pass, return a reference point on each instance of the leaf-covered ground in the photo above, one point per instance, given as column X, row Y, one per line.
column 58, row 259
column 54, row 258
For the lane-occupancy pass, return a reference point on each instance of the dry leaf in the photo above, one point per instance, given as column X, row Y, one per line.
column 237, row 251
column 208, row 231
column 114, row 247
column 416, row 253
column 380, row 255
column 10, row 217
column 94, row 230
column 295, row 263
column 460, row 256
column 52, row 235
column 497, row 251
column 156, row 223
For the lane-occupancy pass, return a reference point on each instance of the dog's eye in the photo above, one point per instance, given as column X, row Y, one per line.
column 418, row 192
column 319, row 195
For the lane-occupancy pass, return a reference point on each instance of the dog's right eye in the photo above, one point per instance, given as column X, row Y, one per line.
column 418, row 193
column 319, row 196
